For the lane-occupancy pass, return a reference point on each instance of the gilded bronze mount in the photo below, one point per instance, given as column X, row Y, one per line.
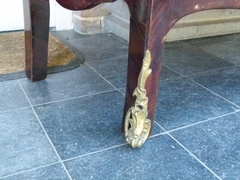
column 137, row 126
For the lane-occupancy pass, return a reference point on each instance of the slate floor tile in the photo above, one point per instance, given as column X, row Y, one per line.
column 82, row 114
column 167, row 74
column 182, row 102
column 186, row 59
column 96, row 47
column 122, row 90
column 224, row 82
column 85, row 124
column 11, row 96
column 113, row 70
column 69, row 34
column 112, row 67
column 118, row 81
column 201, row 42
column 51, row 172
column 23, row 142
column 224, row 47
column 216, row 143
column 78, row 82
column 159, row 158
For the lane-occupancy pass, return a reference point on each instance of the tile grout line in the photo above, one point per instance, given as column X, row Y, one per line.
column 8, row 110
column 214, row 93
column 45, row 132
column 159, row 125
column 189, row 78
column 72, row 98
column 209, row 71
column 173, row 71
column 28, row 170
column 167, row 132
column 195, row 157
column 103, row 78
column 94, row 152
column 188, row 151
column 109, row 59
column 190, row 125
column 121, row 92
column 199, row 73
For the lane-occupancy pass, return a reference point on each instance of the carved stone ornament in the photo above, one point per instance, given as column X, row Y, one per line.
column 137, row 126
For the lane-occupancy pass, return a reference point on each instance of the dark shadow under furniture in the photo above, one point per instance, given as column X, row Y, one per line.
column 150, row 21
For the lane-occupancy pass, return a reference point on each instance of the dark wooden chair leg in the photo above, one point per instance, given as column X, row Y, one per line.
column 36, row 21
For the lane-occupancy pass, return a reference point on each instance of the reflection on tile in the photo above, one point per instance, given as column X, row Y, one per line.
column 223, row 82
column 186, row 59
column 52, row 172
column 224, row 47
column 216, row 143
column 181, row 102
column 211, row 40
column 159, row 158
column 11, row 96
column 23, row 143
column 77, row 82
column 97, row 48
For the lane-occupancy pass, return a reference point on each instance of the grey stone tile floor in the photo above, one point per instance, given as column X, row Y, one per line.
column 68, row 126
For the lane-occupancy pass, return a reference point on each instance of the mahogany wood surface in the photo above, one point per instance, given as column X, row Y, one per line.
column 150, row 21
column 36, row 22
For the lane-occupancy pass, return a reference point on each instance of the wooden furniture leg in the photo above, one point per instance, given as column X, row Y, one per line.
column 36, row 22
column 143, row 74
column 149, row 24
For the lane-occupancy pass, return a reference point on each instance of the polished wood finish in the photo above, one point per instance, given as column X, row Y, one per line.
column 36, row 21
column 150, row 21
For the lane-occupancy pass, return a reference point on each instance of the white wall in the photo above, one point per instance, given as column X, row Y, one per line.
column 11, row 16
column 63, row 17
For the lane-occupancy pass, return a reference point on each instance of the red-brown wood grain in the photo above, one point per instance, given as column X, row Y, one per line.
column 36, row 22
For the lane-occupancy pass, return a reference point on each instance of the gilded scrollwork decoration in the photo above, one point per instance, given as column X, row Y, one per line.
column 137, row 126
